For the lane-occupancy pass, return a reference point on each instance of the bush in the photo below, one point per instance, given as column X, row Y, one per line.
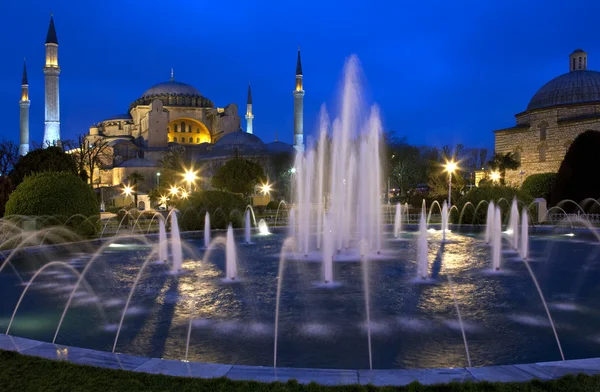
column 272, row 205
column 59, row 194
column 223, row 207
column 487, row 193
column 539, row 185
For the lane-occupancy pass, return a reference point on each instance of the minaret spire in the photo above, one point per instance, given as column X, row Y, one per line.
column 299, row 108
column 172, row 75
column 249, row 114
column 24, row 113
column 52, row 99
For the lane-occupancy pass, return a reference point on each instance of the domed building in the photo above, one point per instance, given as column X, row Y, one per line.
column 560, row 110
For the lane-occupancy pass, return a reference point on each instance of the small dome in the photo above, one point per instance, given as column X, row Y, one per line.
column 171, row 88
column 578, row 51
column 138, row 162
column 579, row 86
column 242, row 142
column 126, row 116
column 278, row 147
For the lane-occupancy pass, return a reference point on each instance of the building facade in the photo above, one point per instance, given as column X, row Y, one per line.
column 562, row 109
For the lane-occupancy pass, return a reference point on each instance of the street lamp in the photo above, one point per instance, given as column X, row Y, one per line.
column 127, row 191
column 158, row 180
column 450, row 167
column 190, row 177
column 265, row 188
column 495, row 176
column 174, row 190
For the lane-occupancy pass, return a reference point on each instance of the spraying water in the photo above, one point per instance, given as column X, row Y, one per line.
column 263, row 229
column 524, row 251
column 398, row 220
column 489, row 222
column 444, row 220
column 422, row 251
column 367, row 290
column 247, row 227
column 162, row 240
column 176, row 250
column 231, row 272
column 292, row 223
column 496, row 239
column 513, row 224
column 206, row 229
column 328, row 249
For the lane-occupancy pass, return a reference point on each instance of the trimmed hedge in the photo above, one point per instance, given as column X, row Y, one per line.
column 539, row 185
column 223, row 207
column 59, row 194
column 487, row 193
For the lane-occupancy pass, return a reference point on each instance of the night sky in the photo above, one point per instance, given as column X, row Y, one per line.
column 443, row 72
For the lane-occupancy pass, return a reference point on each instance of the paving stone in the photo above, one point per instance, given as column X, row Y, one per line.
column 15, row 343
column 180, row 368
column 303, row 376
column 110, row 360
column 500, row 373
column 397, row 377
column 55, row 351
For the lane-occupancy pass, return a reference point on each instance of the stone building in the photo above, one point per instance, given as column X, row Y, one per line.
column 560, row 110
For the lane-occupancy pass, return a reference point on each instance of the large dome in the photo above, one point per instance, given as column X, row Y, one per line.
column 573, row 87
column 240, row 142
column 171, row 88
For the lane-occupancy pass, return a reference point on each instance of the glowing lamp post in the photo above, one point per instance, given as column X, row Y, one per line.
column 450, row 167
column 265, row 188
column 495, row 177
column 190, row 177
column 127, row 191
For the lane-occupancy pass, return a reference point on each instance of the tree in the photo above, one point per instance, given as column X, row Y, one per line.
column 9, row 156
column 502, row 163
column 135, row 178
column 42, row 160
column 483, row 152
column 282, row 164
column 89, row 154
column 238, row 175
column 407, row 168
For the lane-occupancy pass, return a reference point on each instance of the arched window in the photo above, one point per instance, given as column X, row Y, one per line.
column 182, row 126
column 543, row 127
column 176, row 128
column 542, row 149
column 189, row 128
column 517, row 153
column 175, row 139
column 191, row 140
column 197, row 140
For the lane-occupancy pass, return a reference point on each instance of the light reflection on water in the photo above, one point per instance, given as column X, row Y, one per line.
column 412, row 325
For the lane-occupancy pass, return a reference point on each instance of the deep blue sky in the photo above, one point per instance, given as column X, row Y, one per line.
column 443, row 72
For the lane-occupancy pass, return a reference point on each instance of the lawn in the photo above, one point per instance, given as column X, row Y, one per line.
column 24, row 373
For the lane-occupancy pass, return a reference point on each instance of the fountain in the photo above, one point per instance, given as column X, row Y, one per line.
column 351, row 176
column 206, row 229
column 422, row 248
column 247, row 227
column 489, row 222
column 496, row 239
column 292, row 223
column 513, row 224
column 524, row 251
column 162, row 240
column 231, row 272
column 176, row 250
column 444, row 220
column 398, row 220
column 328, row 249
column 263, row 229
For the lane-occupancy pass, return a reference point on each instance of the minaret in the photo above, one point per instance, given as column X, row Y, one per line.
column 51, row 101
column 249, row 115
column 24, row 105
column 299, row 108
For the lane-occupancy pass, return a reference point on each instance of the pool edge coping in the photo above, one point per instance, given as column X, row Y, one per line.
column 382, row 377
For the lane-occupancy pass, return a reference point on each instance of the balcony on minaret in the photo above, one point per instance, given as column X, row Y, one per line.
column 51, row 56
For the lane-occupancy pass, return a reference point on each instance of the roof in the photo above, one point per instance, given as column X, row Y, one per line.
column 24, row 79
column 138, row 162
column 171, row 88
column 280, row 147
column 125, row 116
column 238, row 142
column 582, row 86
column 298, row 64
column 51, row 37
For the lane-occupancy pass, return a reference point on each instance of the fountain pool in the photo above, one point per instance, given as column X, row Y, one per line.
column 413, row 325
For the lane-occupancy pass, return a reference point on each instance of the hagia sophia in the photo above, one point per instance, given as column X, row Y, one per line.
column 560, row 110
column 167, row 115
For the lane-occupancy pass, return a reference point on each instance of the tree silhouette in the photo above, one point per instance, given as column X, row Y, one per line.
column 502, row 163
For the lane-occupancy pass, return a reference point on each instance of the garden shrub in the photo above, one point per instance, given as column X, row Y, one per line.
column 487, row 193
column 223, row 207
column 539, row 185
column 58, row 194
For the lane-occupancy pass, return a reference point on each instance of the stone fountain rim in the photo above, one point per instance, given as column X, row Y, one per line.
column 384, row 377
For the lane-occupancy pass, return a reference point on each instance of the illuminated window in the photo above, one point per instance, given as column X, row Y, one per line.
column 176, row 128
column 191, row 140
column 175, row 139
column 197, row 140
column 182, row 126
column 197, row 130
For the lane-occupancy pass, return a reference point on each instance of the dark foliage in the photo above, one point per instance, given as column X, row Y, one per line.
column 577, row 177
column 539, row 185
column 475, row 196
column 52, row 159
column 238, row 175
column 223, row 207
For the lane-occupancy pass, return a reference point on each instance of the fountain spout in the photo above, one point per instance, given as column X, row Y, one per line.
column 176, row 250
